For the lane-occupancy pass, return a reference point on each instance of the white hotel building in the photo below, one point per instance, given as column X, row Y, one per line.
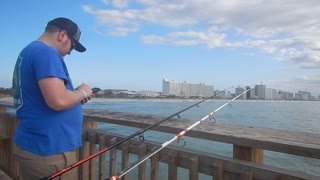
column 185, row 89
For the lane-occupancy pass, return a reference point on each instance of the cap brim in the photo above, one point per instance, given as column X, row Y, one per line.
column 79, row 47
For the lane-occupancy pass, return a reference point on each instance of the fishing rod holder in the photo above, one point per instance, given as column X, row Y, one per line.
column 141, row 138
column 182, row 142
column 213, row 119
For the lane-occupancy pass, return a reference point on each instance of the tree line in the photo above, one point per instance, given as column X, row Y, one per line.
column 6, row 91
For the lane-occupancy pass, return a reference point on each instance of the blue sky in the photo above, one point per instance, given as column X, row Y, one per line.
column 135, row 44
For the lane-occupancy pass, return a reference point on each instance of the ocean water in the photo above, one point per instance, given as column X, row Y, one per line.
column 290, row 115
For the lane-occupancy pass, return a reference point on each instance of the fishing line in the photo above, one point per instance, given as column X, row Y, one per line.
column 177, row 136
column 59, row 173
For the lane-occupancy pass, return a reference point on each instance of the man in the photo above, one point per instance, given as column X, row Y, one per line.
column 47, row 106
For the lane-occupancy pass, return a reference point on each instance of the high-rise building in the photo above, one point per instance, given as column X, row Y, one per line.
column 170, row 87
column 248, row 94
column 305, row 95
column 284, row 95
column 238, row 91
column 260, row 91
column 186, row 89
column 271, row 94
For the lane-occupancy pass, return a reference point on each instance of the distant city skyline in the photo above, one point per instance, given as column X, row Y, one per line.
column 232, row 89
column 259, row 91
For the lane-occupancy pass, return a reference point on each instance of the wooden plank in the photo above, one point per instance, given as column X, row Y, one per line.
column 5, row 104
column 173, row 166
column 194, row 168
column 217, row 170
column 92, row 150
column 142, row 167
column 8, row 123
column 248, row 154
column 8, row 102
column 102, row 157
column 155, row 166
column 87, row 123
column 246, row 173
column 3, row 108
column 113, row 157
column 285, row 141
column 83, row 153
column 125, row 158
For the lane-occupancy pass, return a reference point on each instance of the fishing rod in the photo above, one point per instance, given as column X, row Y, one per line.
column 177, row 136
column 59, row 173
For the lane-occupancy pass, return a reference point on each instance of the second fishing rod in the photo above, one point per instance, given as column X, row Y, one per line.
column 59, row 173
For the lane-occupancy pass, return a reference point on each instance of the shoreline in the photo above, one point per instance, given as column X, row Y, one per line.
column 10, row 99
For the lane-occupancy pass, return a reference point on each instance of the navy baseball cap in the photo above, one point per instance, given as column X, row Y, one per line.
column 72, row 29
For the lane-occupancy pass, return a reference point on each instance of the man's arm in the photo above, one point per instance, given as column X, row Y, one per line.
column 58, row 97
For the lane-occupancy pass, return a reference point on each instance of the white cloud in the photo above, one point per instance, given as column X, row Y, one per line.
column 187, row 39
column 287, row 29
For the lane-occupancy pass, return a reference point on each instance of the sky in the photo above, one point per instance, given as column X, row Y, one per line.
column 134, row 44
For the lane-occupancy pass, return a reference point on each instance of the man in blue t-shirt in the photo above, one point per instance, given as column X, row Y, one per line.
column 47, row 105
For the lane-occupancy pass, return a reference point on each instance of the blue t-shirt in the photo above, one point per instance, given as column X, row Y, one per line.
column 41, row 130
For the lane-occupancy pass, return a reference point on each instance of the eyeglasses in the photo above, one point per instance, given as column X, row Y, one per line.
column 73, row 44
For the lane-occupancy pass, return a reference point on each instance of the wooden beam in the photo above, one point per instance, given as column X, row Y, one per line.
column 194, row 168
column 173, row 166
column 248, row 154
column 155, row 167
column 125, row 158
column 217, row 170
column 142, row 169
column 102, row 157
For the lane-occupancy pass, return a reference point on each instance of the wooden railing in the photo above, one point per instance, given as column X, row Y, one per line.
column 248, row 145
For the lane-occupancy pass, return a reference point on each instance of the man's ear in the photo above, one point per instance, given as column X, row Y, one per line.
column 62, row 35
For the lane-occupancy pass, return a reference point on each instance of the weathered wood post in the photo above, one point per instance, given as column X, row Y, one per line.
column 125, row 158
column 142, row 149
column 248, row 154
column 8, row 123
column 102, row 157
column 173, row 166
column 155, row 166
column 217, row 170
column 194, row 168
column 113, row 157
column 84, row 169
column 3, row 108
column 92, row 150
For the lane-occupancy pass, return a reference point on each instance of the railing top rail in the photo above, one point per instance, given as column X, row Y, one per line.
column 6, row 102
